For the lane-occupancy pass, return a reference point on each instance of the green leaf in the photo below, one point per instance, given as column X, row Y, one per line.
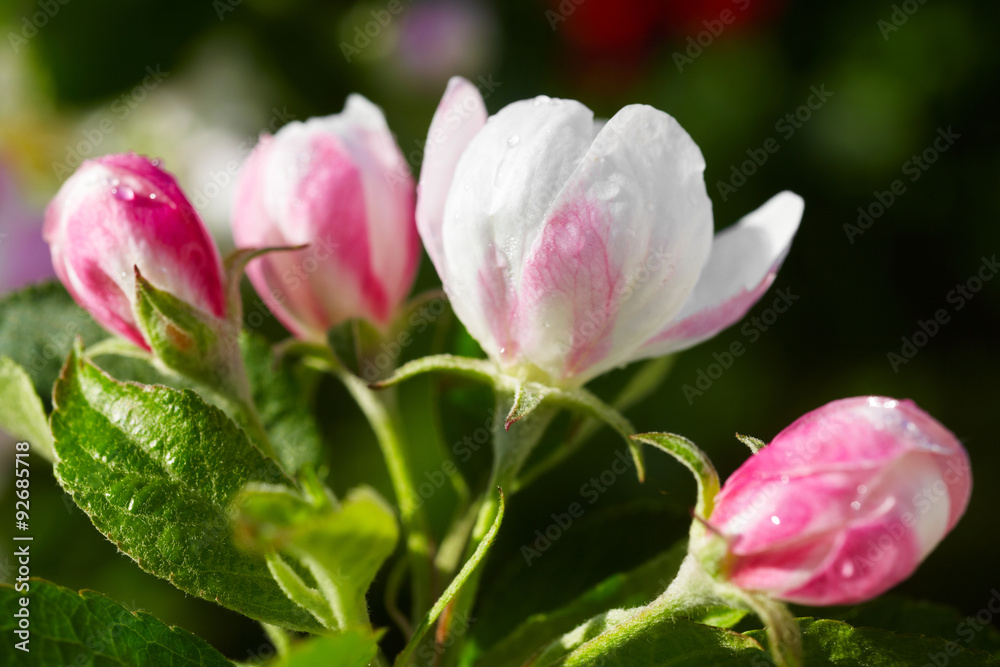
column 21, row 411
column 156, row 470
column 755, row 444
column 476, row 369
column 283, row 392
column 405, row 657
column 87, row 628
column 692, row 458
column 187, row 340
column 836, row 643
column 345, row 649
column 626, row 589
column 901, row 614
column 677, row 642
column 37, row 327
column 342, row 546
column 623, row 590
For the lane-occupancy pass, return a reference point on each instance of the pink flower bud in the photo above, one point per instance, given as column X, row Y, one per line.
column 571, row 245
column 123, row 211
column 339, row 184
column 843, row 504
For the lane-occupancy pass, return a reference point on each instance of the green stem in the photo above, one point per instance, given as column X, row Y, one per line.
column 692, row 589
column 511, row 447
column 381, row 416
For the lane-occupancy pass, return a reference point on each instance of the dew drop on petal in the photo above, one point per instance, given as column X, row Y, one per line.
column 847, row 569
column 513, row 140
column 856, row 505
column 784, row 479
column 122, row 193
column 862, row 489
column 605, row 189
column 775, row 520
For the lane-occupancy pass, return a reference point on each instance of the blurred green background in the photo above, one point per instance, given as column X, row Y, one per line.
column 849, row 92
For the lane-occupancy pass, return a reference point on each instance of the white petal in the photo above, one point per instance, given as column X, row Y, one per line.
column 459, row 116
column 503, row 185
column 621, row 250
column 744, row 261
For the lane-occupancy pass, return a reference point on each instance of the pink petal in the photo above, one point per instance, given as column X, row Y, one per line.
column 744, row 261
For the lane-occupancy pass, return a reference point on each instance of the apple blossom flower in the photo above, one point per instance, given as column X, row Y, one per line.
column 843, row 504
column 570, row 246
column 121, row 212
column 339, row 184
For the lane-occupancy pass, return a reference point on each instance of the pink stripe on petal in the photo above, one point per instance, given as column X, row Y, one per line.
column 570, row 290
column 710, row 321
column 868, row 560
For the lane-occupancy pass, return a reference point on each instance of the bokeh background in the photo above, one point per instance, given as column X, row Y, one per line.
column 854, row 95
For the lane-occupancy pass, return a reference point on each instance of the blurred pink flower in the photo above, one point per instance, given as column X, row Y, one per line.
column 339, row 184
column 24, row 257
column 844, row 503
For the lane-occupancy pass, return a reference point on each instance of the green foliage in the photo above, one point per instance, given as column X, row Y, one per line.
column 836, row 643
column 345, row 649
column 156, row 470
column 87, row 628
column 21, row 411
column 342, row 545
column 283, row 393
column 37, row 327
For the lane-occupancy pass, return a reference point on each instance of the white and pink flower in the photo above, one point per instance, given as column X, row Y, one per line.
column 123, row 211
column 844, row 503
column 570, row 245
column 339, row 184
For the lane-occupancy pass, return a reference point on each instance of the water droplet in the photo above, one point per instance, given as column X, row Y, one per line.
column 784, row 479
column 855, row 505
column 156, row 162
column 862, row 489
column 503, row 350
column 513, row 140
column 124, row 274
column 122, row 193
column 605, row 189
column 775, row 520
column 152, row 195
column 847, row 569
